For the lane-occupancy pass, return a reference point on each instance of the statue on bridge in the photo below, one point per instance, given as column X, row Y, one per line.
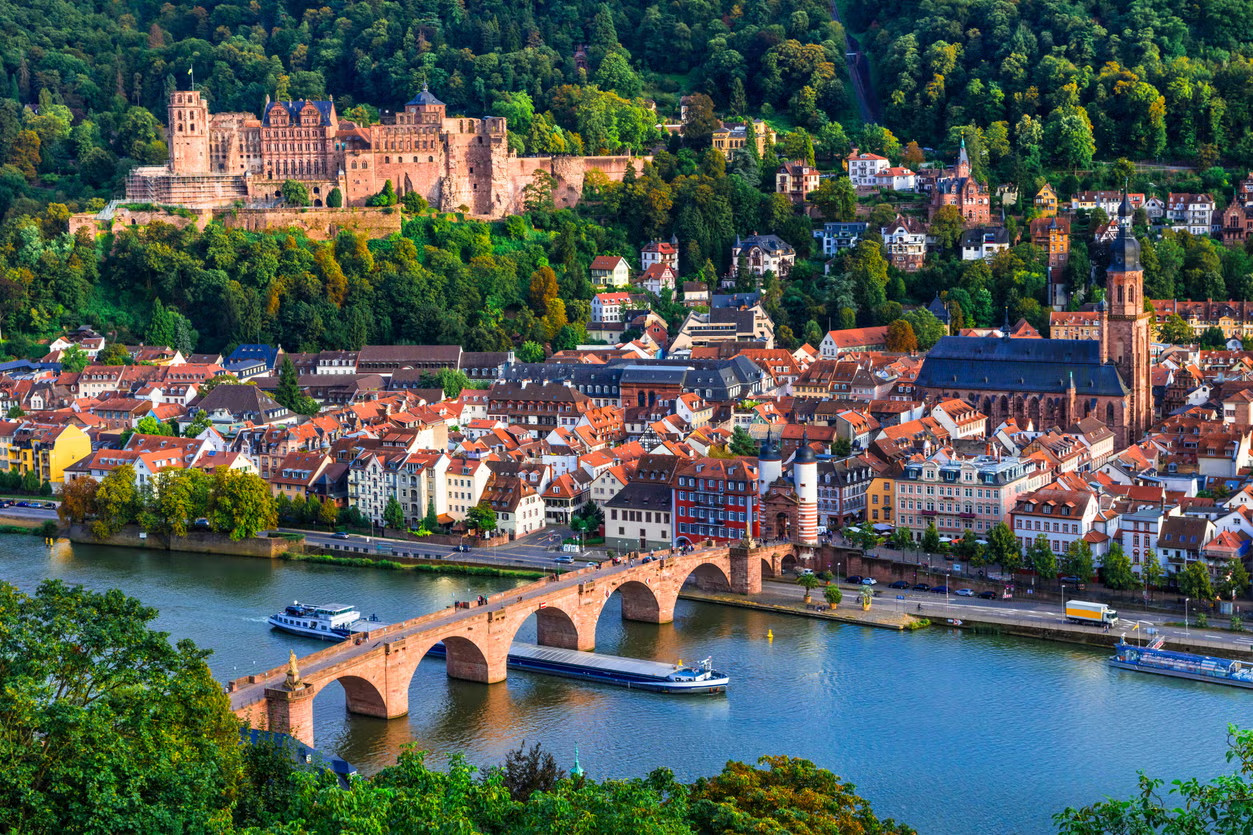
column 293, row 674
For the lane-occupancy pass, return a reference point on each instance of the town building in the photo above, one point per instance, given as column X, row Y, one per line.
column 905, row 242
column 1075, row 324
column 837, row 237
column 610, row 271
column 1186, row 212
column 661, row 252
column 984, row 242
column 796, row 178
column 1060, row 515
column 732, row 136
column 852, row 340
column 958, row 187
column 1045, row 201
column 863, row 169
column 761, row 254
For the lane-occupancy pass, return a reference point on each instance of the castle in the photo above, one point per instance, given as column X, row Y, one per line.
column 1058, row 382
column 225, row 159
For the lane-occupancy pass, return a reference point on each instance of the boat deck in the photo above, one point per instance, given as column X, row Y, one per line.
column 592, row 660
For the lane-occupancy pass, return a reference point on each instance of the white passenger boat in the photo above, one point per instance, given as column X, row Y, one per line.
column 329, row 621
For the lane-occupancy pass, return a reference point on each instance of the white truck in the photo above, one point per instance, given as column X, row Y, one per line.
column 1078, row 611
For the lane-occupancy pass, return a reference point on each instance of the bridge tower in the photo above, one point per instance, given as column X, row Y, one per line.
column 805, row 477
column 289, row 707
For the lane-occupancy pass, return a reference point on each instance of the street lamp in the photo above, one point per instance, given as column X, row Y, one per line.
column 839, row 566
column 1186, row 600
column 948, row 579
column 1063, row 601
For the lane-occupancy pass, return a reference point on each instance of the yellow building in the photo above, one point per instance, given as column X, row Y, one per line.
column 881, row 498
column 729, row 138
column 44, row 449
column 1046, row 202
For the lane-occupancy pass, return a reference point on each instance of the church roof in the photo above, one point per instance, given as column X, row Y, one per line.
column 1019, row 365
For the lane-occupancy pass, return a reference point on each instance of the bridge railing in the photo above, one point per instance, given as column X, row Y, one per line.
column 408, row 625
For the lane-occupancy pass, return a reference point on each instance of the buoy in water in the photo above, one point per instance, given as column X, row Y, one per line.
column 769, row 634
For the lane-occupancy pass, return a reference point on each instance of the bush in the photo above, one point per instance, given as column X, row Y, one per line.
column 1202, row 620
column 1237, row 623
column 48, row 530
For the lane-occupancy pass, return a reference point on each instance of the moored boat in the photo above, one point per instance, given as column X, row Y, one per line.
column 632, row 673
column 1164, row 662
column 327, row 622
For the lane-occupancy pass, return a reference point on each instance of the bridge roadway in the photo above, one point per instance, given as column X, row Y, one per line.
column 375, row 669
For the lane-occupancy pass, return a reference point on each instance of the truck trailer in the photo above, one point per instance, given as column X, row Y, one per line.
column 1079, row 611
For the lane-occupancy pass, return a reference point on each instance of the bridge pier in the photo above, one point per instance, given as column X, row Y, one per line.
column 555, row 628
column 291, row 712
column 746, row 568
column 486, row 665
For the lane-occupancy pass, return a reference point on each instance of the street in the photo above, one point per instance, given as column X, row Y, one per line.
column 1035, row 613
column 539, row 550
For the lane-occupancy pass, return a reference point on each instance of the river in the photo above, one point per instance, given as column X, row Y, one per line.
column 950, row 732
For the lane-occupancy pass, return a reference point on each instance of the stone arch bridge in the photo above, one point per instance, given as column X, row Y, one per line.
column 375, row 670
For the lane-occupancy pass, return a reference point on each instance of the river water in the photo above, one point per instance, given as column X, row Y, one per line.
column 950, row 732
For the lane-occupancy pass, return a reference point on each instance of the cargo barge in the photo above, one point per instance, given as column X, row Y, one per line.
column 1164, row 662
column 632, row 673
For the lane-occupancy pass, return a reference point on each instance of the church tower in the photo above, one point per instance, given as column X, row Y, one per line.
column 962, row 169
column 1127, row 326
column 805, row 479
column 188, row 133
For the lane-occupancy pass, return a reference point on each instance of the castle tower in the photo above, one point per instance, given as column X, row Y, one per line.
column 769, row 465
column 805, row 477
column 1127, row 329
column 188, row 133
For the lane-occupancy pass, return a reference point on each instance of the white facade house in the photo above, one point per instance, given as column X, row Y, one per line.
column 863, row 169
column 608, row 307
column 1190, row 212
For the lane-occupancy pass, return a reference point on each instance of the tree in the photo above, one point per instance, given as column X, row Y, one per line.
column 530, row 351
column 543, row 290
column 1175, row 331
column 1194, row 581
column 742, row 443
column 527, row 771
column 1003, row 547
column 74, row 359
column 431, row 520
column 1041, row 559
column 113, row 354
column 931, row 539
column 199, row 423
column 294, row 193
column 900, row 337
column 393, row 515
column 968, row 548
column 927, row 328
column 1078, row 560
column 240, row 504
column 809, row 582
column 841, row 447
column 947, row 226
column 116, row 729
column 1213, row 338
column 1068, row 132
column 481, row 518
column 1219, row 806
column 901, row 540
column 329, row 514
column 833, row 595
column 1116, row 569
column 537, row 195
column 786, row 795
column 15, row 412
column 335, row 198
column 178, row 496
column 213, row 382
column 699, row 121
column 1234, row 579
column 288, row 393
column 78, row 500
column 449, row 380
column 1151, row 570
column 836, row 199
column 117, row 502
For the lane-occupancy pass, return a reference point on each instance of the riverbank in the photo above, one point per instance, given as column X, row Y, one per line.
column 878, row 616
column 196, row 542
column 416, row 565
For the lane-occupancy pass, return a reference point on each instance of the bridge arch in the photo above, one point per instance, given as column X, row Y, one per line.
column 557, row 627
column 362, row 696
column 709, row 576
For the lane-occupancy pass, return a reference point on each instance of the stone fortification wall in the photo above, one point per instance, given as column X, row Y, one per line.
column 318, row 224
column 199, row 543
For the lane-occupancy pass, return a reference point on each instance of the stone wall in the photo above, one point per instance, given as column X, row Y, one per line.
column 318, row 224
column 198, row 543
column 123, row 217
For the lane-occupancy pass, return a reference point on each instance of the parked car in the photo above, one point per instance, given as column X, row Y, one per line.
column 50, row 505
column 986, row 595
column 899, row 584
column 804, row 572
column 647, row 559
column 564, row 559
column 965, row 592
column 463, row 547
column 23, row 504
column 6, row 503
column 339, row 535
column 869, row 581
column 921, row 587
column 939, row 589
column 593, row 565
column 855, row 579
